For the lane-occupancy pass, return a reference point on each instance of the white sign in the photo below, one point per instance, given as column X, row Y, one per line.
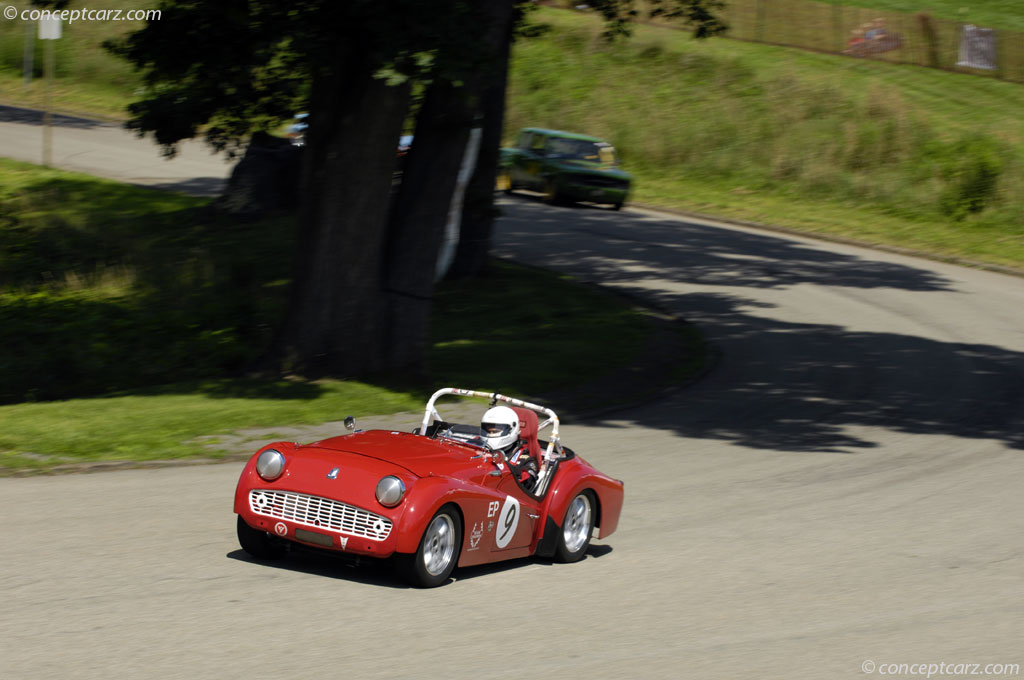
column 977, row 48
column 49, row 28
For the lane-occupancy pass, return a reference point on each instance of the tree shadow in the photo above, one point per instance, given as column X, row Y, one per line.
column 681, row 252
column 110, row 287
column 782, row 384
column 207, row 187
column 15, row 114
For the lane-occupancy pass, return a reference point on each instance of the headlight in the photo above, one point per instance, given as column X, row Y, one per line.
column 270, row 465
column 390, row 490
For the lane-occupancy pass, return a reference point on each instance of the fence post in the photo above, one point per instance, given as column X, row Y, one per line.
column 837, row 26
column 759, row 28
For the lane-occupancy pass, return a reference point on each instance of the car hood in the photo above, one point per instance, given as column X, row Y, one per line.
column 421, row 456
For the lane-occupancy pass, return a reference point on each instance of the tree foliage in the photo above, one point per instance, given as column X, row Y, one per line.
column 363, row 270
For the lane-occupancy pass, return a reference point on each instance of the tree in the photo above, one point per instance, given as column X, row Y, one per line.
column 226, row 69
column 479, row 212
column 363, row 268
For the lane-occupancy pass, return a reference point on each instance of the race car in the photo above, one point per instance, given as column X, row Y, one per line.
column 565, row 167
column 445, row 495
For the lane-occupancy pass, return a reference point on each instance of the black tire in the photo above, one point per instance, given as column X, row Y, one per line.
column 616, row 206
column 258, row 543
column 577, row 527
column 438, row 552
column 551, row 195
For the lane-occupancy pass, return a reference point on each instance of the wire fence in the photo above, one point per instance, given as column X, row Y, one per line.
column 897, row 37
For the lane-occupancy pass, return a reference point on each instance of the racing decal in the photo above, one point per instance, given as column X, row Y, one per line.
column 281, row 529
column 344, row 542
column 475, row 535
column 490, row 527
column 507, row 522
column 492, row 508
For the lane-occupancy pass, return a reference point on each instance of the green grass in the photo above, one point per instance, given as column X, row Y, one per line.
column 162, row 425
column 87, row 80
column 883, row 153
column 149, row 299
column 863, row 149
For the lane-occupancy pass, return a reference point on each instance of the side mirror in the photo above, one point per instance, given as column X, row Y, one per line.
column 350, row 423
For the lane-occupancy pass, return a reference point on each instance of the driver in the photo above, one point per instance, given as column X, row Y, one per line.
column 501, row 429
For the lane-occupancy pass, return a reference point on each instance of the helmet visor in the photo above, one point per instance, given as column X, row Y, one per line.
column 495, row 429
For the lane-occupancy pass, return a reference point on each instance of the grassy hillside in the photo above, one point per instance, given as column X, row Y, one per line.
column 879, row 152
column 88, row 79
column 884, row 153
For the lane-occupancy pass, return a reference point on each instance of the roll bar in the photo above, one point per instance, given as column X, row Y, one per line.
column 553, row 443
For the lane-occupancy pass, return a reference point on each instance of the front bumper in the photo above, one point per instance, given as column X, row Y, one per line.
column 319, row 522
column 592, row 189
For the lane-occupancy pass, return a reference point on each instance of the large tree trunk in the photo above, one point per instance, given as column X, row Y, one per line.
column 479, row 212
column 335, row 323
column 424, row 199
column 418, row 221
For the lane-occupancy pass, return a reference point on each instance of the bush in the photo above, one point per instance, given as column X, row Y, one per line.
column 971, row 172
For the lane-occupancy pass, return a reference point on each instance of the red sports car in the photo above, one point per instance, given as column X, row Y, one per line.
column 441, row 496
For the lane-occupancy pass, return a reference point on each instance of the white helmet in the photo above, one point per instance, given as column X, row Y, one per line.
column 501, row 427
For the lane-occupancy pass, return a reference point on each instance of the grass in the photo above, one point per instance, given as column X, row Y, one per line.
column 149, row 298
column 881, row 153
column 863, row 149
column 88, row 79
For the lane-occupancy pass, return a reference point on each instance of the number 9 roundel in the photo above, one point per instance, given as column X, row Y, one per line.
column 508, row 520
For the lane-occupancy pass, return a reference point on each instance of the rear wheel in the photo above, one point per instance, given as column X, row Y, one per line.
column 577, row 526
column 258, row 543
column 438, row 551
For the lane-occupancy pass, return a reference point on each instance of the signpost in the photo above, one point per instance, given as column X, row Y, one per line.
column 49, row 30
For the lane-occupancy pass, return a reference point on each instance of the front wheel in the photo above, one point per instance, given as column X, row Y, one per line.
column 504, row 182
column 258, row 543
column 551, row 195
column 577, row 527
column 438, row 552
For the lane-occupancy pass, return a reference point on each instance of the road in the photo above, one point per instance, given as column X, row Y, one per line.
column 841, row 493
column 108, row 150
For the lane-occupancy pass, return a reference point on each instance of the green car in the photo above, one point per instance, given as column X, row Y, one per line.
column 565, row 167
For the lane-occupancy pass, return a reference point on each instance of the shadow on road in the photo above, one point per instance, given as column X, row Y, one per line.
column 780, row 385
column 382, row 573
column 14, row 114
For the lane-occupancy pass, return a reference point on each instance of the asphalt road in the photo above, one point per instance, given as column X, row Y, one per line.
column 841, row 493
column 108, row 150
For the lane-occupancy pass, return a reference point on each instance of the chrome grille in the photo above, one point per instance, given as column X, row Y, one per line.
column 322, row 513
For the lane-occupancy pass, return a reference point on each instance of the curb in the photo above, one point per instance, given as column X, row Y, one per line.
column 713, row 220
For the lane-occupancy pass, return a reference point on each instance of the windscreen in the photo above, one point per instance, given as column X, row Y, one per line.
column 581, row 150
